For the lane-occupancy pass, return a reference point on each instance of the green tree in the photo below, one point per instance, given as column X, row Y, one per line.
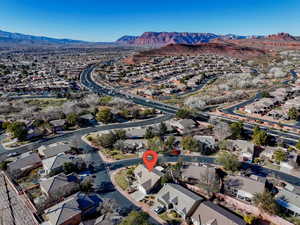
column 298, row 145
column 169, row 143
column 156, row 144
column 69, row 167
column 265, row 94
column 120, row 134
column 86, row 186
column 189, row 143
column 149, row 133
column 165, row 179
column 136, row 218
column 18, row 130
column 280, row 155
column 259, row 136
column 293, row 113
column 266, row 203
column 3, row 165
column 107, row 140
column 72, row 119
column 105, row 100
column 223, row 144
column 5, row 125
column 162, row 129
column 104, row 115
column 229, row 161
column 237, row 130
column 183, row 113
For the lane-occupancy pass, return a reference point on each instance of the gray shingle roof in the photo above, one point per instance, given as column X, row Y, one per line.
column 173, row 193
column 58, row 183
column 208, row 211
column 147, row 178
column 58, row 161
column 54, row 149
column 71, row 207
column 24, row 162
column 200, row 173
column 244, row 183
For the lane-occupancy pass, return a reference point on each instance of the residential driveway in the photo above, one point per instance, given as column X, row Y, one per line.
column 137, row 196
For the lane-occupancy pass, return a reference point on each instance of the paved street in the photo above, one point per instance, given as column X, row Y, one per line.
column 103, row 168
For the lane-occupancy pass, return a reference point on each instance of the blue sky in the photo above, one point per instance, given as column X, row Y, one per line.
column 98, row 20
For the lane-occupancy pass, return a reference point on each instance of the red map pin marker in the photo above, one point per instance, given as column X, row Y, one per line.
column 150, row 158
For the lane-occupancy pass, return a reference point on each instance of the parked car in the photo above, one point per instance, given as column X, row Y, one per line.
column 12, row 154
column 159, row 209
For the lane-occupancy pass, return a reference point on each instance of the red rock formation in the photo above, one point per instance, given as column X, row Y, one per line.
column 204, row 48
column 165, row 38
column 281, row 37
column 281, row 41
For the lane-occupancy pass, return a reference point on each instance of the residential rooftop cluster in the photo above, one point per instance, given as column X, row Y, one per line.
column 165, row 76
column 45, row 72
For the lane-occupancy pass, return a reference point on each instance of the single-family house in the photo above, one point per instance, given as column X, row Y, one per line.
column 178, row 198
column 55, row 164
column 136, row 132
column 183, row 125
column 209, row 213
column 87, row 119
column 147, row 180
column 290, row 201
column 243, row 188
column 34, row 132
column 23, row 165
column 291, row 163
column 58, row 125
column 54, row 149
column 134, row 144
column 60, row 185
column 71, row 211
column 245, row 149
column 206, row 142
column 198, row 174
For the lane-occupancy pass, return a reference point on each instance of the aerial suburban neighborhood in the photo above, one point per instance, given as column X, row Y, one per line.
column 170, row 128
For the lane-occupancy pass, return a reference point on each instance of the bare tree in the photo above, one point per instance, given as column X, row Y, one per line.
column 221, row 130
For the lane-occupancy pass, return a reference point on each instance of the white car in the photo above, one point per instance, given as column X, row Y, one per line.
column 12, row 154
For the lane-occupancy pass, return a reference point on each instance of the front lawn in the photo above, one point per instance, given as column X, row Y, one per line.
column 171, row 217
column 117, row 154
column 121, row 179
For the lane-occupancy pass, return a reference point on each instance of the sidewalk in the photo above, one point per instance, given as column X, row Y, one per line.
column 143, row 206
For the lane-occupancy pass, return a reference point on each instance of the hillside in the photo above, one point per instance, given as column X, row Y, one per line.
column 204, row 48
column 18, row 38
column 276, row 42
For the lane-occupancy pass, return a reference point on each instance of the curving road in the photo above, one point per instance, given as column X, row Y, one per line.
column 231, row 110
column 86, row 79
column 103, row 168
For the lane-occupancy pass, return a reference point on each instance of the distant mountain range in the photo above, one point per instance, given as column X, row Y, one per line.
column 17, row 38
column 156, row 39
column 244, row 47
